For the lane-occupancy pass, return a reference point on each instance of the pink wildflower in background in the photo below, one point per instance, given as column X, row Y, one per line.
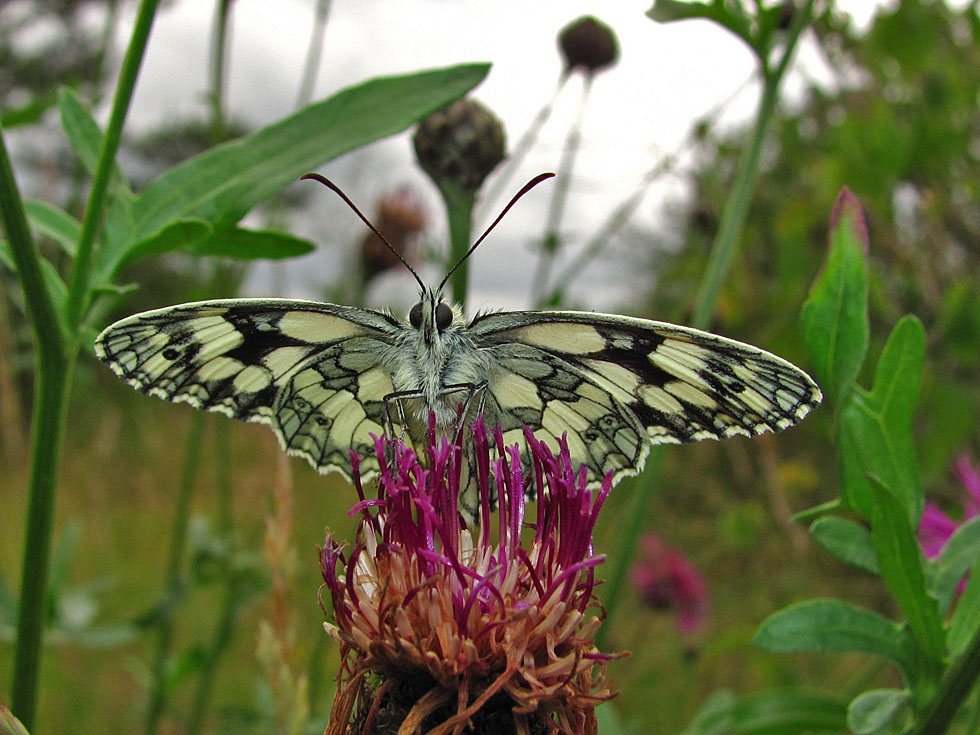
column 936, row 527
column 666, row 580
column 442, row 629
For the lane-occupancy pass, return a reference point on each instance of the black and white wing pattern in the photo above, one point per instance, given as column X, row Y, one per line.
column 613, row 385
column 309, row 370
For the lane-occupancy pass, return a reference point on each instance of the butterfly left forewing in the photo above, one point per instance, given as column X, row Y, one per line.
column 309, row 370
column 675, row 383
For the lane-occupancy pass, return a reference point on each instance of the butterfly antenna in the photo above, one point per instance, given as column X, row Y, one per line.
column 524, row 190
column 336, row 189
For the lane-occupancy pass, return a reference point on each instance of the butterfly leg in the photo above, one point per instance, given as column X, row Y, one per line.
column 472, row 390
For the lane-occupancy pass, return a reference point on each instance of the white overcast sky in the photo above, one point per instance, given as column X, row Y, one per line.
column 668, row 76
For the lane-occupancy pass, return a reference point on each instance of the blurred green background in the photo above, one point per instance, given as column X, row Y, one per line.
column 900, row 127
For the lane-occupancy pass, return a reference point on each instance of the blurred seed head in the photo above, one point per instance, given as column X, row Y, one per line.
column 400, row 219
column 460, row 144
column 589, row 44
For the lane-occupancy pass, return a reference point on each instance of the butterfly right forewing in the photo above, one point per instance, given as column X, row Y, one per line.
column 311, row 371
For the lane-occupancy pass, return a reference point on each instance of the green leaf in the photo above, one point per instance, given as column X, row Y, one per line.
column 785, row 712
column 29, row 113
column 7, row 256
column 901, row 561
column 175, row 236
column 875, row 429
column 714, row 716
column 847, row 540
column 966, row 620
column 727, row 15
column 873, row 710
column 834, row 625
column 53, row 222
column 959, row 554
column 55, row 285
column 251, row 245
column 85, row 138
column 220, row 185
column 835, row 316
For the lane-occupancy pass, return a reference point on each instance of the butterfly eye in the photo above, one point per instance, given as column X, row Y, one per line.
column 444, row 316
column 415, row 315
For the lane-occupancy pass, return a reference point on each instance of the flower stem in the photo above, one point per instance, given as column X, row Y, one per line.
column 722, row 253
column 459, row 207
column 78, row 286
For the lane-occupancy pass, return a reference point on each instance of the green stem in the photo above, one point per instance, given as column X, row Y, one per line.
column 556, row 210
column 175, row 574
column 723, row 250
column 51, row 385
column 733, row 216
column 217, row 68
column 51, row 390
column 314, row 53
column 459, row 208
column 78, row 287
column 954, row 687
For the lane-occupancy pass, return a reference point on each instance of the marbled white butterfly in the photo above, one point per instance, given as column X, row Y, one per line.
column 325, row 376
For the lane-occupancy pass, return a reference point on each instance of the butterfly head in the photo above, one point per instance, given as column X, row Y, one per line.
column 431, row 316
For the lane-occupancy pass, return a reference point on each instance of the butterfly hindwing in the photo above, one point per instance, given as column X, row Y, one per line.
column 615, row 384
column 309, row 370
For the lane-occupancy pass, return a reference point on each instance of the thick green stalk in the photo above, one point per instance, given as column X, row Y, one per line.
column 722, row 253
column 51, row 381
column 78, row 286
column 459, row 208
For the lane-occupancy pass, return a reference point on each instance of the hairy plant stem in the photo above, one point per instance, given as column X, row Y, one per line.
column 722, row 252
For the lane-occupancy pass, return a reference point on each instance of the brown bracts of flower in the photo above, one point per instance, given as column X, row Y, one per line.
column 444, row 630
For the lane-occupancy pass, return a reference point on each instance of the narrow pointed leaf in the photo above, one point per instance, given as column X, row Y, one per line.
column 901, row 561
column 251, row 245
column 876, row 428
column 847, row 540
column 53, row 222
column 835, row 316
column 220, row 185
column 175, row 236
column 85, row 137
column 834, row 625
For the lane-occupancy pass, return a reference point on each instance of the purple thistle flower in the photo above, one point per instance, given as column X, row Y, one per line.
column 442, row 629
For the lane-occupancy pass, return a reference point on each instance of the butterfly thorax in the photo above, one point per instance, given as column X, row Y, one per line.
column 437, row 359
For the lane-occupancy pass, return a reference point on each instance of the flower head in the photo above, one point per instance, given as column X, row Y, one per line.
column 460, row 145
column 441, row 628
column 588, row 44
column 667, row 580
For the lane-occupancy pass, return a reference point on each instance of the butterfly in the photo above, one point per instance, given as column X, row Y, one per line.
column 326, row 377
